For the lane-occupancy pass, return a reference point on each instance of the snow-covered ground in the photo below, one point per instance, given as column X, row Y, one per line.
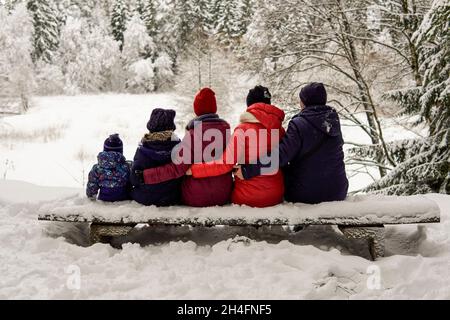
column 42, row 260
column 54, row 146
column 57, row 141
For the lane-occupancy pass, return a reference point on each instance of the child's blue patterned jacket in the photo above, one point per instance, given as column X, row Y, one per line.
column 111, row 177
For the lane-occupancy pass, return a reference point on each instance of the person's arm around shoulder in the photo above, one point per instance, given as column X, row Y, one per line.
column 170, row 171
column 288, row 148
column 136, row 172
column 165, row 173
column 221, row 166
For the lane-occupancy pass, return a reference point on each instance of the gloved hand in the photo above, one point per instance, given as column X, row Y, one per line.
column 139, row 174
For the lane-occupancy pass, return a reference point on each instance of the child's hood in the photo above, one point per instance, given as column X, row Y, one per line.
column 269, row 116
column 323, row 118
column 109, row 160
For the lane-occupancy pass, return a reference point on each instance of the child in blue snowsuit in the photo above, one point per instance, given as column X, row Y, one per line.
column 111, row 174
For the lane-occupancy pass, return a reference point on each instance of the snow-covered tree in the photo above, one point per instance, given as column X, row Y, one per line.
column 246, row 10
column 231, row 18
column 88, row 58
column 424, row 164
column 46, row 28
column 9, row 4
column 49, row 78
column 229, row 21
column 212, row 16
column 197, row 72
column 401, row 18
column 163, row 72
column 434, row 57
column 16, row 46
column 119, row 19
column 147, row 10
column 137, row 43
column 137, row 54
column 141, row 76
column 99, row 17
column 302, row 41
column 182, row 24
column 168, row 26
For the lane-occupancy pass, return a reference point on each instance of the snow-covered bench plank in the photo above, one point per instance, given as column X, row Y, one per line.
column 357, row 217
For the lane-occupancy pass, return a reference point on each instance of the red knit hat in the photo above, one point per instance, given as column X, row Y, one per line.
column 205, row 102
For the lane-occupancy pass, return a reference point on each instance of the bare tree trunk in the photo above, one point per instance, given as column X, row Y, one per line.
column 210, row 67
column 363, row 91
column 199, row 73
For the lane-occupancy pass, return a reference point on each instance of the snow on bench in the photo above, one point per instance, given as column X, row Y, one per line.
column 359, row 216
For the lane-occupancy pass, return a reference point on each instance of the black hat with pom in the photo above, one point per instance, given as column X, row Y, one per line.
column 113, row 144
column 259, row 94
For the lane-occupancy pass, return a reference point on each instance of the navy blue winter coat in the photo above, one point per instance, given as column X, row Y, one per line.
column 312, row 156
column 152, row 154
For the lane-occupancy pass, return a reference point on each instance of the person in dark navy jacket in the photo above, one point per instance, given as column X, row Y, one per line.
column 154, row 151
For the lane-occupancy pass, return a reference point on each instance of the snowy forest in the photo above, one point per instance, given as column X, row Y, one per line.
column 380, row 59
column 76, row 72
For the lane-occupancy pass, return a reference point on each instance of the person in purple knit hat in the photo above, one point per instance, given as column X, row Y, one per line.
column 155, row 150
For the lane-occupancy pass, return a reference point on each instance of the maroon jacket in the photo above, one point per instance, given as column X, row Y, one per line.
column 204, row 192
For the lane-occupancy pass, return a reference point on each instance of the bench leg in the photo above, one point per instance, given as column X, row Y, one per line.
column 101, row 233
column 373, row 235
column 299, row 227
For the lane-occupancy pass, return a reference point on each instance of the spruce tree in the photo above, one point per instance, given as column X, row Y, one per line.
column 177, row 29
column 245, row 16
column 424, row 164
column 119, row 19
column 46, row 28
column 147, row 10
column 228, row 21
column 213, row 13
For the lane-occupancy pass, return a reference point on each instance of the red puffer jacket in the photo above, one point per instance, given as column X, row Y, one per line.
column 208, row 191
column 251, row 139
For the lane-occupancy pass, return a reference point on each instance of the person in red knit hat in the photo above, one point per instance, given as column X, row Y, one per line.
column 205, row 192
column 205, row 102
column 252, row 139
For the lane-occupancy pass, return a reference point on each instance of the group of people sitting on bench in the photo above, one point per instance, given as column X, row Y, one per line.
column 259, row 165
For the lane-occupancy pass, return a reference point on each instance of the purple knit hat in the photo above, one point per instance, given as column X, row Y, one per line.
column 162, row 120
column 113, row 144
column 314, row 94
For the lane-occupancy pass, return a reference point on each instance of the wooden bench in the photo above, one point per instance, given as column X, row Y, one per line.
column 359, row 217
